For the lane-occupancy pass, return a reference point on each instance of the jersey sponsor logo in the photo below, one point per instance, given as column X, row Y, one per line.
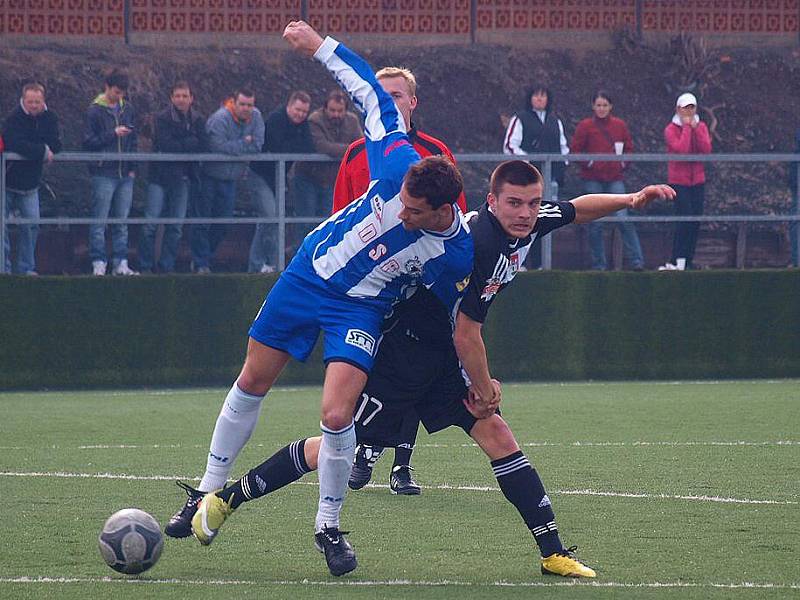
column 377, row 207
column 414, row 267
column 491, row 288
column 390, row 266
column 394, row 146
column 504, row 271
column 368, row 233
column 378, row 251
column 462, row 285
column 360, row 339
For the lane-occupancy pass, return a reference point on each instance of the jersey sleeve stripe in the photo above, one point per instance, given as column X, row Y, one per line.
column 357, row 79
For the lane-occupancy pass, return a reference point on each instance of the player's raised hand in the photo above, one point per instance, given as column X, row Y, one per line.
column 652, row 192
column 302, row 37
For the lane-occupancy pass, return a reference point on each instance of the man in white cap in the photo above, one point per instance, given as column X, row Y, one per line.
column 686, row 134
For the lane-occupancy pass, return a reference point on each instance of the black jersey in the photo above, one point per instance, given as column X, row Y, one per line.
column 498, row 257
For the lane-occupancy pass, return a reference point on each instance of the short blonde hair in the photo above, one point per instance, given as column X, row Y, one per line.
column 406, row 74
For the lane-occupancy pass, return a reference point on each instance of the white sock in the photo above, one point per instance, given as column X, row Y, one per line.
column 335, row 463
column 235, row 424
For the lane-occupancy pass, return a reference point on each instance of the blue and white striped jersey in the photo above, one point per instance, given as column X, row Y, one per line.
column 364, row 251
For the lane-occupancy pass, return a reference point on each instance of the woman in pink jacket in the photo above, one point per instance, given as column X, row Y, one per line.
column 686, row 134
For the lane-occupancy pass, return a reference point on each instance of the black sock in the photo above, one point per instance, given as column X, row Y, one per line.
column 408, row 433
column 402, row 456
column 522, row 487
column 282, row 468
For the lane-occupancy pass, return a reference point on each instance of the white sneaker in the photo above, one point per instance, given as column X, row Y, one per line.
column 668, row 267
column 99, row 267
column 267, row 269
column 122, row 268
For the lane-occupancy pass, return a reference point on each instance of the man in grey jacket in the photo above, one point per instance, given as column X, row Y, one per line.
column 237, row 128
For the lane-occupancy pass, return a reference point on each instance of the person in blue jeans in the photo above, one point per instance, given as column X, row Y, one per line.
column 32, row 131
column 287, row 131
column 110, row 127
column 603, row 133
column 179, row 129
column 237, row 129
column 630, row 238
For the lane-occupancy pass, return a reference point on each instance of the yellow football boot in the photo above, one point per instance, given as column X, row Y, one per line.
column 211, row 514
column 565, row 564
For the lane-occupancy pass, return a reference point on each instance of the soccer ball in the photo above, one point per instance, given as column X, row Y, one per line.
column 131, row 541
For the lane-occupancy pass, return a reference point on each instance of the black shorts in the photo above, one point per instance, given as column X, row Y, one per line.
column 411, row 380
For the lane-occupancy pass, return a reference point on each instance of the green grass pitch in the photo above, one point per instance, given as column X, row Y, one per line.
column 679, row 490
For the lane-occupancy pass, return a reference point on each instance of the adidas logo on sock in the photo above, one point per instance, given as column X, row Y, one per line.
column 545, row 502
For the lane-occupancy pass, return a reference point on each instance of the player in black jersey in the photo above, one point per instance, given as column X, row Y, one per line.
column 421, row 356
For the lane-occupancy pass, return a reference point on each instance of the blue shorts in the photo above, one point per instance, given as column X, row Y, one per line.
column 300, row 305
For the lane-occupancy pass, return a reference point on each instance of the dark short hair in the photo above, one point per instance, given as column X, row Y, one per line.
column 515, row 172
column 117, row 78
column 299, row 96
column 436, row 179
column 538, row 88
column 181, row 84
column 602, row 94
column 244, row 91
column 337, row 96
column 32, row 87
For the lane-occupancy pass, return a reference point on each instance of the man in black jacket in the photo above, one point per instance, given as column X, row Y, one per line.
column 32, row 131
column 111, row 127
column 287, row 131
column 178, row 129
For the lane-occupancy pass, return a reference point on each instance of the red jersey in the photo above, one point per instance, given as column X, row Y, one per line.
column 353, row 177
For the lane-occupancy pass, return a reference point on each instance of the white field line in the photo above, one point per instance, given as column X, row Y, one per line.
column 576, row 444
column 443, row 487
column 744, row 585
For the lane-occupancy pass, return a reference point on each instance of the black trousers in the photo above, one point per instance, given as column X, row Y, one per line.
column 689, row 201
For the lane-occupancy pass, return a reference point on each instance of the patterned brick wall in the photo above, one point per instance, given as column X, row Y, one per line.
column 93, row 18
column 587, row 15
column 89, row 18
column 721, row 16
column 390, row 16
column 212, row 16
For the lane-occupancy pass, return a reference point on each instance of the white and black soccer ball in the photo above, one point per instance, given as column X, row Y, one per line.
column 131, row 541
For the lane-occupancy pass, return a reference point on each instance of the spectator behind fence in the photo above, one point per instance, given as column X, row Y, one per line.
column 287, row 132
column 536, row 128
column 237, row 129
column 603, row 133
column 333, row 128
column 793, row 225
column 111, row 127
column 178, row 129
column 686, row 134
column 32, row 131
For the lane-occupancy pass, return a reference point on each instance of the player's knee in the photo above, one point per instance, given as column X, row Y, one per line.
column 336, row 417
column 250, row 382
column 504, row 436
column 495, row 436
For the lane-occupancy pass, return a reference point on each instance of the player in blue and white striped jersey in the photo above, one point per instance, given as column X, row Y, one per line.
column 406, row 231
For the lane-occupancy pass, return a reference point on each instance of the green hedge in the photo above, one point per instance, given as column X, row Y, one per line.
column 190, row 330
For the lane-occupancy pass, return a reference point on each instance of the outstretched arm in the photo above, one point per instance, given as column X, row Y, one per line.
column 594, row 206
column 388, row 149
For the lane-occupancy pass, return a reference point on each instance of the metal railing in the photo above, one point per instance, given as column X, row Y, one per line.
column 282, row 219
